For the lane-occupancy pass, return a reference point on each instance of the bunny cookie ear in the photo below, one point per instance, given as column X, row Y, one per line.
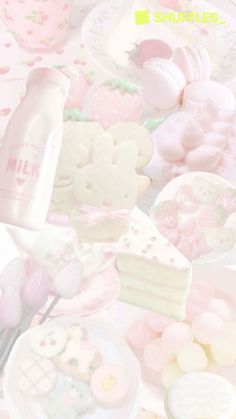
column 126, row 154
column 103, row 148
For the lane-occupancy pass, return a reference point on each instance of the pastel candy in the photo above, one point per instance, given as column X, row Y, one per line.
column 140, row 334
column 204, row 158
column 110, row 385
column 192, row 136
column 221, row 308
column 48, row 342
column 156, row 322
column 155, row 357
column 222, row 239
column 216, row 139
column 170, row 373
column 192, row 358
column 176, row 336
column 171, row 151
column 200, row 295
column 207, row 327
column 223, row 350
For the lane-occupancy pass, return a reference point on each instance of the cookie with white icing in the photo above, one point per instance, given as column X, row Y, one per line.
column 154, row 275
column 106, row 191
column 128, row 131
column 201, row 396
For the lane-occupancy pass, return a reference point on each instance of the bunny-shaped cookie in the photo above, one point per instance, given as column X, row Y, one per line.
column 106, row 190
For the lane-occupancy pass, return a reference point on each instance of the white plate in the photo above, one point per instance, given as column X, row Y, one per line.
column 101, row 21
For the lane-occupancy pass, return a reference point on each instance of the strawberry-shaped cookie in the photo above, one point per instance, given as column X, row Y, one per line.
column 78, row 88
column 116, row 101
column 211, row 216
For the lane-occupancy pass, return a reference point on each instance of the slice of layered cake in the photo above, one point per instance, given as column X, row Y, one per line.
column 154, row 274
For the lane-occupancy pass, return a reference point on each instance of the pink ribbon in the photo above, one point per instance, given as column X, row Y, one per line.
column 94, row 215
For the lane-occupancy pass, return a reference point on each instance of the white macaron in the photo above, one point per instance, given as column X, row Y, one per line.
column 163, row 84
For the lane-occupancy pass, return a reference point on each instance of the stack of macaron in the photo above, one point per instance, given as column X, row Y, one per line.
column 183, row 80
column 205, row 341
column 69, row 369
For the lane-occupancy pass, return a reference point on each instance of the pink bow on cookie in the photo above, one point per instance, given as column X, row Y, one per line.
column 94, row 215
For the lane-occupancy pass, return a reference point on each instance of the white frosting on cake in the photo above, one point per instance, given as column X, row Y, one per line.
column 154, row 274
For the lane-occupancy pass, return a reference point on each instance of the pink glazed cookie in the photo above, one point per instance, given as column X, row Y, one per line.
column 110, row 384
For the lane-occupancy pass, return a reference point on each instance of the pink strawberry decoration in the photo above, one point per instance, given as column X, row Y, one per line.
column 211, row 216
column 78, row 89
column 166, row 215
column 150, row 48
column 193, row 246
column 116, row 101
column 228, row 201
column 186, row 200
column 192, row 243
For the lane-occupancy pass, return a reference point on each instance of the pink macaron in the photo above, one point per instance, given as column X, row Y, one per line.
column 110, row 385
column 194, row 62
column 163, row 84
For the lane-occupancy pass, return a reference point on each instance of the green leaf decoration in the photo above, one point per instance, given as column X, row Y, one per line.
column 122, row 85
column 75, row 115
column 152, row 124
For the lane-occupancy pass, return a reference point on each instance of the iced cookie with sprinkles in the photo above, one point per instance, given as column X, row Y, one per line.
column 153, row 273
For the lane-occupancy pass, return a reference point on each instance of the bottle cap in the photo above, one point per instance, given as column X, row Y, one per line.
column 50, row 75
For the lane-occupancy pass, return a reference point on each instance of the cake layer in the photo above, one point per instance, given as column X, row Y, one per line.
column 154, row 274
